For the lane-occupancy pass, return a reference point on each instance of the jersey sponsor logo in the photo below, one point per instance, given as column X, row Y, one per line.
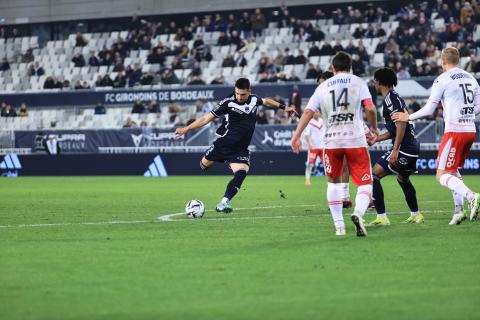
column 327, row 166
column 342, row 117
column 366, row 177
column 451, row 157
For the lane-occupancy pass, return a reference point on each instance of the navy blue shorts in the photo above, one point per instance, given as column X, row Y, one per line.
column 406, row 165
column 227, row 155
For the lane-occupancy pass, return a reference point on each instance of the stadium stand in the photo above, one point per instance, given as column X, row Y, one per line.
column 218, row 49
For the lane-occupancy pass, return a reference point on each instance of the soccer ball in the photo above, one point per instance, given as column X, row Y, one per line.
column 195, row 209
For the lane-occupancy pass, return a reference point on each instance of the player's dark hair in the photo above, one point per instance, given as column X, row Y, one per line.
column 242, row 83
column 342, row 61
column 324, row 76
column 385, row 77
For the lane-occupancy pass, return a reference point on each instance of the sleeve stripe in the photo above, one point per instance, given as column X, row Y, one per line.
column 216, row 116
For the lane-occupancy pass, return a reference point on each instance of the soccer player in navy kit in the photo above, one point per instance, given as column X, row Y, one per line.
column 235, row 135
column 402, row 159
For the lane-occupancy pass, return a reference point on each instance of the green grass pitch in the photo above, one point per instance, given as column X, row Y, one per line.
column 94, row 248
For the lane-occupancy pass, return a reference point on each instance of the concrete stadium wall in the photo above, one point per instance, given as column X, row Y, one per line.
column 33, row 11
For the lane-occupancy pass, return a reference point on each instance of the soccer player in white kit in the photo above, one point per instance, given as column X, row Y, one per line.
column 314, row 134
column 459, row 93
column 341, row 100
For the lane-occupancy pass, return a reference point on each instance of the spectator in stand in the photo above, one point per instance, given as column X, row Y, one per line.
column 8, row 111
column 312, row 72
column 472, row 65
column 351, row 48
column 154, row 107
column 259, row 22
column 316, row 35
column 23, row 111
column 107, row 81
column 359, row 32
column 207, row 56
column 338, row 46
column 107, row 60
column 35, row 70
column 228, row 61
column 157, row 56
column 78, row 60
column 196, row 70
column 173, row 111
column 413, row 106
column 146, row 79
column 288, row 57
column 358, row 68
column 65, row 84
column 198, row 43
column 370, row 32
column 120, row 80
column 295, row 100
column 262, row 117
column 99, row 81
column 196, row 80
column 327, row 49
column 241, row 60
column 236, row 40
column 93, row 60
column 138, row 107
column 5, row 65
column 28, row 57
column 130, row 123
column 118, row 65
column 207, row 106
column 78, row 85
column 218, row 80
column 246, row 25
column 300, row 59
column 338, row 17
column 403, row 73
column 135, row 75
column 80, row 40
column 99, row 109
column 145, row 44
column 314, row 50
column 223, row 39
column 49, row 83
column 169, row 77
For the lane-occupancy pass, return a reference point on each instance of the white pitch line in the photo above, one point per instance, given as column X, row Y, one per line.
column 167, row 217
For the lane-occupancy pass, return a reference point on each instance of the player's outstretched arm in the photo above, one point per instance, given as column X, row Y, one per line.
column 200, row 122
column 382, row 137
column 304, row 120
column 270, row 103
column 371, row 113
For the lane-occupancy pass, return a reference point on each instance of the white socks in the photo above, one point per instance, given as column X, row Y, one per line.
column 335, row 203
column 362, row 200
column 345, row 190
column 456, row 185
column 225, row 200
column 458, row 200
column 308, row 172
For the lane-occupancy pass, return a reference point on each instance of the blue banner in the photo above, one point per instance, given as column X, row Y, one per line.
column 88, row 141
column 129, row 96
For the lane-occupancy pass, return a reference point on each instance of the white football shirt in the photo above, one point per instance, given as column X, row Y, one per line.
column 316, row 131
column 458, row 92
column 340, row 100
